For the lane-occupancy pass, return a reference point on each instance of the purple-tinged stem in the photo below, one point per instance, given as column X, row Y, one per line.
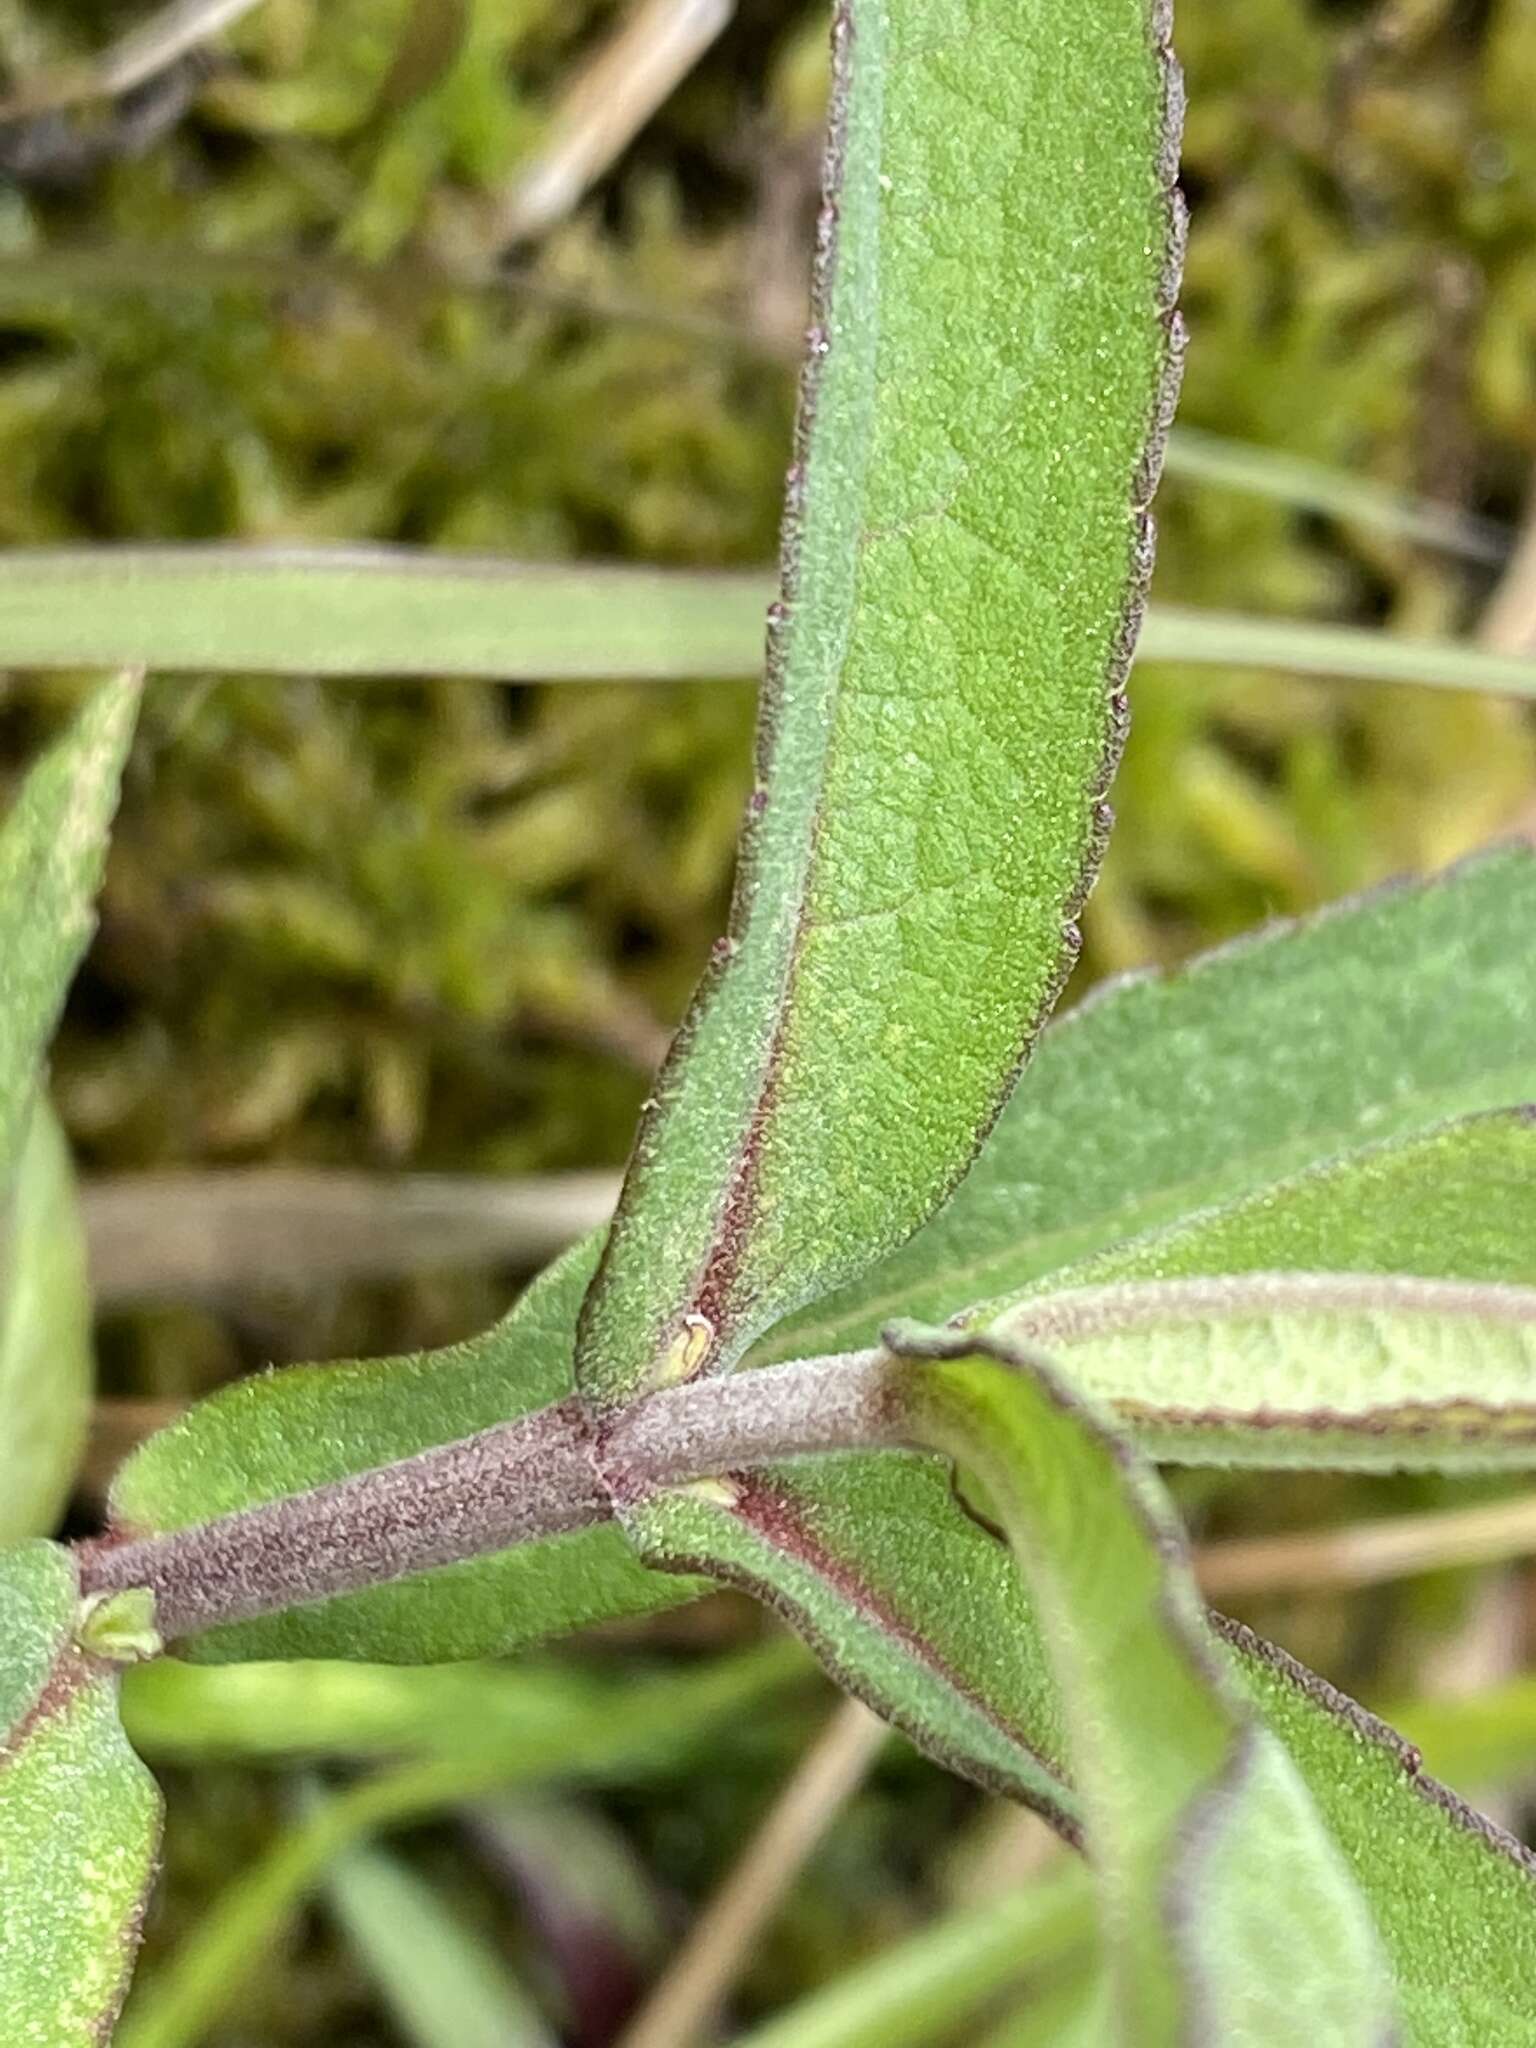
column 545, row 1475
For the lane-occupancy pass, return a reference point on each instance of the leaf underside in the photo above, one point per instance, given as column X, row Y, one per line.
column 79, row 1817
column 1223, row 1339
column 1227, row 1912
column 53, row 842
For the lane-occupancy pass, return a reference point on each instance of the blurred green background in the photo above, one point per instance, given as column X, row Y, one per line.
column 443, row 926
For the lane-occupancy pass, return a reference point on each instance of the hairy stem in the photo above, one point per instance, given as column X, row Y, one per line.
column 543, row 1475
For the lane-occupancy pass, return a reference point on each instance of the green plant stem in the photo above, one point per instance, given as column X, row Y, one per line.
column 539, row 1476
column 1298, row 481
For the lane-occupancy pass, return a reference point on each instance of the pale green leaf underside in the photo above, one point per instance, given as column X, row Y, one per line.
column 52, row 843
column 79, row 1817
column 46, row 1364
column 1295, row 1326
column 939, row 720
column 1227, row 1912
column 392, row 611
column 1345, row 1370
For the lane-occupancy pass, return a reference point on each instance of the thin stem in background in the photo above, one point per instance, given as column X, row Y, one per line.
column 1368, row 1553
column 150, row 47
column 680, row 2008
column 379, row 610
column 225, row 1234
column 604, row 107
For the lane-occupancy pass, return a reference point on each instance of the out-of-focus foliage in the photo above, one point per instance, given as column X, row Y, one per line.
column 446, row 925
column 1358, row 289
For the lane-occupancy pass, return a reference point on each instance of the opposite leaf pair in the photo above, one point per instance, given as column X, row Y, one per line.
column 966, row 547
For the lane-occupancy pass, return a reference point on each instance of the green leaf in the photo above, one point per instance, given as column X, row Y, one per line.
column 1164, row 1095
column 1225, row 1908
column 1454, row 1897
column 287, row 1431
column 46, row 1363
column 1457, row 1202
column 941, row 712
column 439, row 1977
column 1345, row 1370
column 918, row 1611
column 52, row 845
column 1225, row 1339
column 79, row 1816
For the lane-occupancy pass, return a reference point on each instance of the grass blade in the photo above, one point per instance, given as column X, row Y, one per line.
column 1309, row 486
column 444, row 1983
column 371, row 610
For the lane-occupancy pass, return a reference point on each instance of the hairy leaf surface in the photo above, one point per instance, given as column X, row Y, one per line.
column 1230, row 1338
column 920, row 1612
column 966, row 544
column 1227, row 1911
column 1457, row 1202
column 52, row 845
column 79, row 1816
column 1346, row 1370
column 46, row 1363
column 1164, row 1095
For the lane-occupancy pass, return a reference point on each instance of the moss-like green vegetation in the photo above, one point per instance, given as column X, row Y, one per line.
column 445, row 925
